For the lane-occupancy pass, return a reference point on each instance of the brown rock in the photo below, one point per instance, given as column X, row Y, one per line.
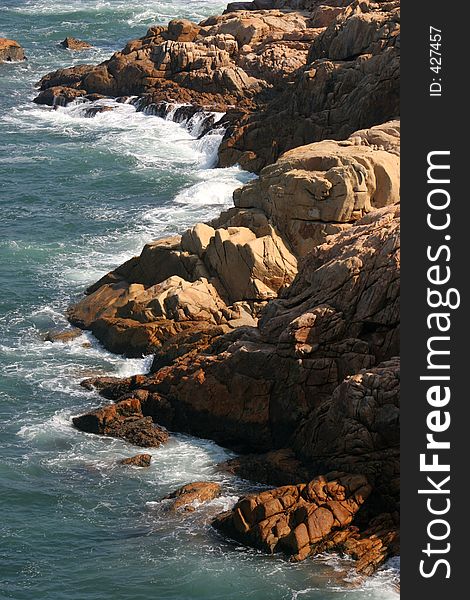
column 251, row 388
column 140, row 460
column 10, row 51
column 186, row 497
column 59, row 96
column 71, row 43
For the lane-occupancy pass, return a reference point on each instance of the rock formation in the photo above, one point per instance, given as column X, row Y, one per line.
column 275, row 327
column 304, row 380
column 307, row 519
column 351, row 81
column 140, row 460
column 10, row 51
column 123, row 420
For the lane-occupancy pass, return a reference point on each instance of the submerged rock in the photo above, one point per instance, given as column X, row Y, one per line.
column 71, row 43
column 64, row 336
column 186, row 497
column 10, row 50
column 140, row 460
column 123, row 420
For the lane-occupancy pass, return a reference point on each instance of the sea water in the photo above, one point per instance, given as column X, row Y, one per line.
column 78, row 196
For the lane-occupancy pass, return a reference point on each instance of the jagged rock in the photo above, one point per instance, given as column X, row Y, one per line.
column 123, row 420
column 223, row 61
column 296, row 520
column 10, row 50
column 58, row 96
column 186, row 497
column 208, row 276
column 351, row 81
column 71, row 43
column 92, row 111
column 251, row 388
column 140, row 460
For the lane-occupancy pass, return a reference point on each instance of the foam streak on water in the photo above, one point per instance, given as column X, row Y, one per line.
column 78, row 196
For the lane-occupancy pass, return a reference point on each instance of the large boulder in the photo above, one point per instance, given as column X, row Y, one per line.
column 311, row 518
column 218, row 277
column 10, row 51
column 296, row 520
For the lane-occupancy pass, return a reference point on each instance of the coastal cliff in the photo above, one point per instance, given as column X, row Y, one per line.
column 275, row 327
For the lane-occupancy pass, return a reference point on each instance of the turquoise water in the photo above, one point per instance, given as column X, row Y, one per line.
column 78, row 196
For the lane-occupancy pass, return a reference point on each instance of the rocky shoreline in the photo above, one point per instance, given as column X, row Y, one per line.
column 275, row 327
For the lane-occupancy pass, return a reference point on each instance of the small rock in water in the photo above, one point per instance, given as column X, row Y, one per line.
column 199, row 491
column 63, row 335
column 71, row 43
column 94, row 110
column 140, row 460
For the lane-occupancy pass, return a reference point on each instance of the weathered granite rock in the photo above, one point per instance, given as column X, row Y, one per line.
column 250, row 389
column 358, row 430
column 187, row 497
column 296, row 520
column 10, row 51
column 215, row 278
column 140, row 460
column 71, row 43
column 123, row 420
column 317, row 190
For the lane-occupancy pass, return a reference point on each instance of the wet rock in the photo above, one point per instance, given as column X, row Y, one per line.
column 140, row 460
column 71, row 43
column 123, row 420
column 251, row 388
column 186, row 497
column 10, row 51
